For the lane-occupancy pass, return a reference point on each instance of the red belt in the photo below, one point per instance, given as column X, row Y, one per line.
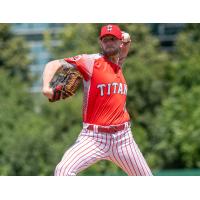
column 109, row 129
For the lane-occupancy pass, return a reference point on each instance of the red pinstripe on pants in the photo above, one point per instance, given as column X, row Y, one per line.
column 90, row 147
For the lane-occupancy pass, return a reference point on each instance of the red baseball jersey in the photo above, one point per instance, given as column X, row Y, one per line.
column 105, row 90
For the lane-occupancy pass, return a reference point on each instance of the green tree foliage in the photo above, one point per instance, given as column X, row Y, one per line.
column 73, row 39
column 177, row 135
column 26, row 140
column 13, row 56
column 25, row 137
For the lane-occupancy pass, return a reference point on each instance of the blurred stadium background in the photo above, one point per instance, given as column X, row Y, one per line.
column 162, row 72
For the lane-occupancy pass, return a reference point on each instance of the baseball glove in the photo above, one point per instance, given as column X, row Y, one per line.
column 65, row 83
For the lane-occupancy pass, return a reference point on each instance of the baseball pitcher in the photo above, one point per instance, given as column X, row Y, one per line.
column 106, row 133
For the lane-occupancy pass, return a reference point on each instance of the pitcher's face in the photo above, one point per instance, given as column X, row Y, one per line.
column 110, row 45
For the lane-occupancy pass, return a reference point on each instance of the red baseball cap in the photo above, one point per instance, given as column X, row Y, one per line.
column 111, row 30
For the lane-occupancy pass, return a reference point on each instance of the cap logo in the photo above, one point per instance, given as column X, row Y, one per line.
column 109, row 28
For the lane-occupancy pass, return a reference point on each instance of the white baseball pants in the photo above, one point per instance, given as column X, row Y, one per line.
column 90, row 147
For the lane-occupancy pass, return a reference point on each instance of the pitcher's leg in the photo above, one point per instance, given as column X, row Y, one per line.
column 141, row 164
column 127, row 155
column 117, row 157
column 80, row 156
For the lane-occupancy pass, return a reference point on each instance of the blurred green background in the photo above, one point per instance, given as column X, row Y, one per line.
column 163, row 75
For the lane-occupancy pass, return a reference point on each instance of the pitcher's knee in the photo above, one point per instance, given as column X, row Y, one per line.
column 64, row 170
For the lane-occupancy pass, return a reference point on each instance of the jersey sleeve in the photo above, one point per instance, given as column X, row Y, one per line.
column 83, row 63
